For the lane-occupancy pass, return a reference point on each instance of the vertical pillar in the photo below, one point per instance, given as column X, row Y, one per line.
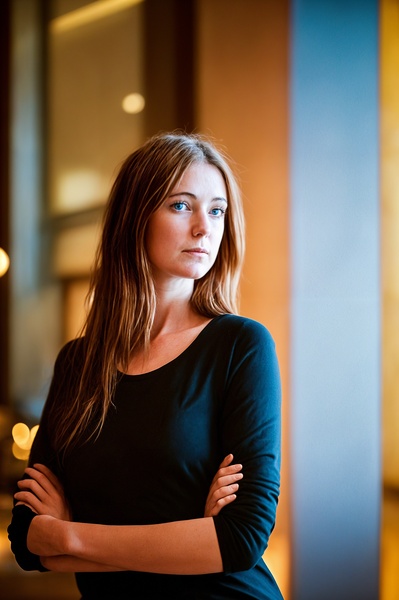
column 335, row 310
column 389, row 59
column 4, row 195
column 169, row 39
column 390, row 238
column 243, row 101
column 29, row 320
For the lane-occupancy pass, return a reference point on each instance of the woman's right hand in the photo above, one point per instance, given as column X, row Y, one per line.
column 43, row 493
column 223, row 487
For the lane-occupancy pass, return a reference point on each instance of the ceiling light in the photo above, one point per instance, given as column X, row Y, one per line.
column 133, row 103
column 89, row 13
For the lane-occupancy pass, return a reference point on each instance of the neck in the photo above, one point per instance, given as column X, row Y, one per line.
column 174, row 311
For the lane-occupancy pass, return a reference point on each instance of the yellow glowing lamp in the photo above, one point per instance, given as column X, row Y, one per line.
column 21, row 434
column 133, row 103
column 33, row 432
column 23, row 438
column 20, row 453
column 4, row 262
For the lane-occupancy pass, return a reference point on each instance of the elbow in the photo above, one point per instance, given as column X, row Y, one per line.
column 26, row 560
column 241, row 547
column 246, row 559
column 17, row 534
column 30, row 563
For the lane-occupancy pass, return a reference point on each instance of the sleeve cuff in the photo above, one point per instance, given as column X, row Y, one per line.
column 22, row 517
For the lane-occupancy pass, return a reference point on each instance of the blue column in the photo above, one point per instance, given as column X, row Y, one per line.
column 335, row 311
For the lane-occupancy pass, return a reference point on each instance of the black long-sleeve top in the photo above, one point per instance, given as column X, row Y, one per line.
column 161, row 444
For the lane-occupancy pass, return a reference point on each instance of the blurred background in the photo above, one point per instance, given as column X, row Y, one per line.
column 304, row 96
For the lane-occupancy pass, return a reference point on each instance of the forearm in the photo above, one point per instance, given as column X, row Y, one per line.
column 182, row 547
column 71, row 564
column 54, row 540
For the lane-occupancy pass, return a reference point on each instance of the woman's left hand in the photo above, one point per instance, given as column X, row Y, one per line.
column 223, row 487
column 43, row 493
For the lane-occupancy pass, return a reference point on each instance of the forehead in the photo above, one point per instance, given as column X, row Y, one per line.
column 203, row 178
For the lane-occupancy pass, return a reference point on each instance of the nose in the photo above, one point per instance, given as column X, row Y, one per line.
column 201, row 225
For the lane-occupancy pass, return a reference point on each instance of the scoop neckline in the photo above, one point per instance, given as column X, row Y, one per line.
column 170, row 363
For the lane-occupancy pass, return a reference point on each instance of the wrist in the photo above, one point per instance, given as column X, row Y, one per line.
column 71, row 539
column 48, row 536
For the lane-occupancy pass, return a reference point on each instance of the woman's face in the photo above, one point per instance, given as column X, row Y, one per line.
column 184, row 234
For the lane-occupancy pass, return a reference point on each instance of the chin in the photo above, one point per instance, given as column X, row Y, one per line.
column 193, row 275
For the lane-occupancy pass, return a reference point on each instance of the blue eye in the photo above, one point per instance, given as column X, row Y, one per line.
column 217, row 212
column 179, row 206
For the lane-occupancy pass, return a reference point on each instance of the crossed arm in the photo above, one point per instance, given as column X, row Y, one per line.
column 183, row 547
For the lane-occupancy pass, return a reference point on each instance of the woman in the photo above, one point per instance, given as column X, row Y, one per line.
column 165, row 382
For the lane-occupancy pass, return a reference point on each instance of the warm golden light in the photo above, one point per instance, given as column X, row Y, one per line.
column 21, row 434
column 80, row 188
column 20, row 453
column 33, row 432
column 133, row 103
column 89, row 13
column 4, row 262
column 23, row 439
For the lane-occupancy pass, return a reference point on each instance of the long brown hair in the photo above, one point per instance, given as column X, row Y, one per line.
column 122, row 293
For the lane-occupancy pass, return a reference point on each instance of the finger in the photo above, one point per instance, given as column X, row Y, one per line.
column 230, row 469
column 50, row 476
column 223, row 471
column 221, row 480
column 224, row 491
column 221, row 504
column 226, row 461
column 30, row 500
column 228, row 479
column 220, row 498
column 33, row 487
column 224, row 482
column 41, row 479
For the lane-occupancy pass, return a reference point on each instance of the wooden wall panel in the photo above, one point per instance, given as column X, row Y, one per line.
column 390, row 236
column 242, row 100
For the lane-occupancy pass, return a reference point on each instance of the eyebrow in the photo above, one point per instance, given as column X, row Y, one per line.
column 191, row 195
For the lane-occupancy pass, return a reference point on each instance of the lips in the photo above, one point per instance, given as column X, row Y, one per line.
column 196, row 251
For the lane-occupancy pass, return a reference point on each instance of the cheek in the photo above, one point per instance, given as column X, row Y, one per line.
column 155, row 231
column 159, row 240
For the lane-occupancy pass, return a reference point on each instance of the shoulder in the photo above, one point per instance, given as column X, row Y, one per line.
column 244, row 329
column 66, row 366
column 63, row 374
column 249, row 344
column 70, row 355
column 252, row 363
